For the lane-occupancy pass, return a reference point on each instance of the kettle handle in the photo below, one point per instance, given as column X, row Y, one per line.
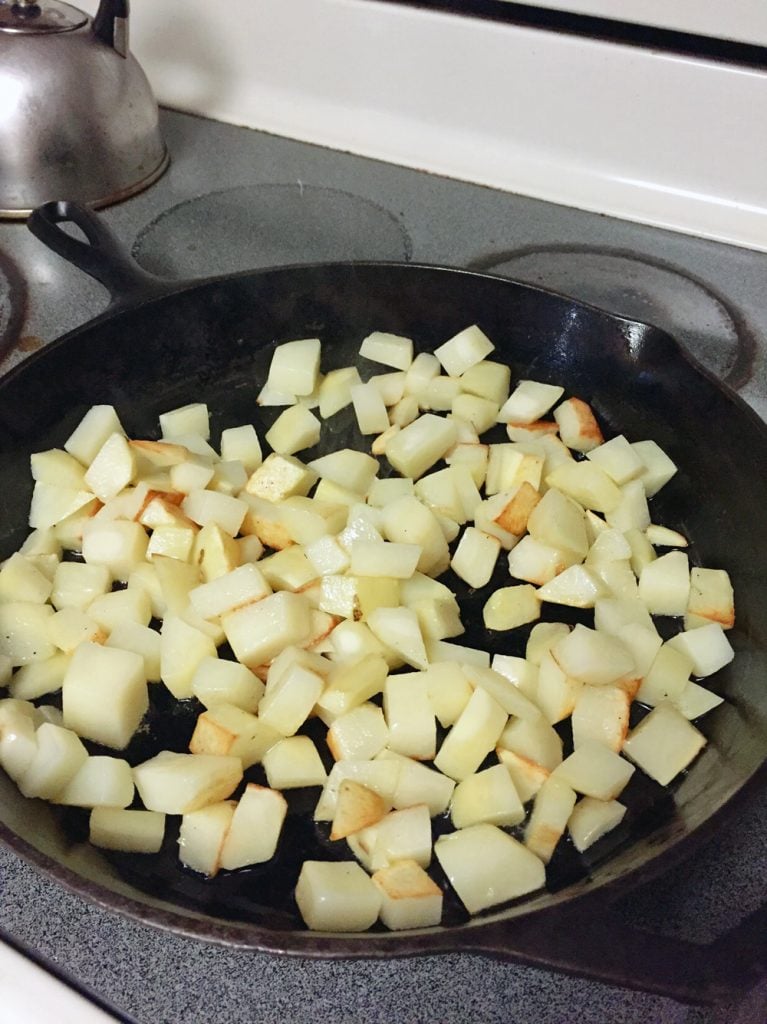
column 110, row 25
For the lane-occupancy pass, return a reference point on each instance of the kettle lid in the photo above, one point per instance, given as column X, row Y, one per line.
column 25, row 17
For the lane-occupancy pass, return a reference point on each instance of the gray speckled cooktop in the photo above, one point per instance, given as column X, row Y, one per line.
column 236, row 199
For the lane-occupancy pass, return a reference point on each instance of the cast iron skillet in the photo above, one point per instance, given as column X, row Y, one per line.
column 161, row 344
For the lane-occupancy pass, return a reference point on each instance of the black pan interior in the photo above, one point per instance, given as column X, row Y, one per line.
column 213, row 342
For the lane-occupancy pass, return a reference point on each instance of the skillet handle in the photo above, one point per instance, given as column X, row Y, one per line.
column 101, row 256
column 598, row 944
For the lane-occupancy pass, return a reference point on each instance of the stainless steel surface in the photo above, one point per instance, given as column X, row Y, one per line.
column 78, row 119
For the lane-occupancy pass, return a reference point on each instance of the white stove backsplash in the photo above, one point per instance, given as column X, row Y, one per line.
column 639, row 134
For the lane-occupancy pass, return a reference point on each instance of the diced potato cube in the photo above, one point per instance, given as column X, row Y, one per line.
column 21, row 580
column 113, row 468
column 258, row 632
column 295, row 366
column 527, row 776
column 280, row 477
column 369, row 408
column 407, row 521
column 410, row 717
column 601, row 715
column 420, row 444
column 535, row 740
column 206, row 507
column 593, row 657
column 219, row 681
column 58, row 757
column 658, row 467
column 380, row 775
column 666, row 678
column 104, row 694
column 286, row 706
column 353, row 682
column 131, row 636
column 594, row 770
column 39, row 677
column 707, row 647
column 226, row 730
column 534, row 562
column 664, row 585
column 509, row 607
column 384, row 558
column 75, row 584
column 335, row 390
column 696, row 700
column 578, row 426
column 475, row 557
column 664, row 743
column 100, row 782
column 57, row 468
column 202, row 835
column 130, row 831
column 182, row 648
column 559, row 522
column 294, row 429
column 508, row 869
column 293, row 763
column 557, row 691
column 519, row 671
column 400, row 835
column 118, row 545
column 398, row 628
column 95, row 427
column 464, row 350
column 711, row 599
column 591, row 819
column 472, row 737
column 389, row 349
column 360, row 733
column 418, row 784
column 489, row 796
column 180, row 783
column 357, row 807
column 24, row 632
column 236, row 589
column 242, row 444
column 336, row 896
column 409, row 898
column 618, row 459
column 121, row 606
column 52, row 506
column 187, row 419
column 543, row 636
column 503, row 691
column 529, row 401
column 256, row 827
column 552, row 808
column 587, row 484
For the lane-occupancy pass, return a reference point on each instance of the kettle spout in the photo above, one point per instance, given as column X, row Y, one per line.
column 110, row 25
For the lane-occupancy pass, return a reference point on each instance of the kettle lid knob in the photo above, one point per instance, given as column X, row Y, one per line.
column 29, row 17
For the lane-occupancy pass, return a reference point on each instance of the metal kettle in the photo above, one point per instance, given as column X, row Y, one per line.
column 78, row 119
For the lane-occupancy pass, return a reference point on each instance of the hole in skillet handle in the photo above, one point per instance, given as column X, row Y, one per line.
column 101, row 255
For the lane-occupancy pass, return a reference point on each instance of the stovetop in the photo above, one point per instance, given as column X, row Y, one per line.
column 234, row 200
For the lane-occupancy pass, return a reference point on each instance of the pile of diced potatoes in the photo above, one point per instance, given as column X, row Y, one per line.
column 323, row 579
